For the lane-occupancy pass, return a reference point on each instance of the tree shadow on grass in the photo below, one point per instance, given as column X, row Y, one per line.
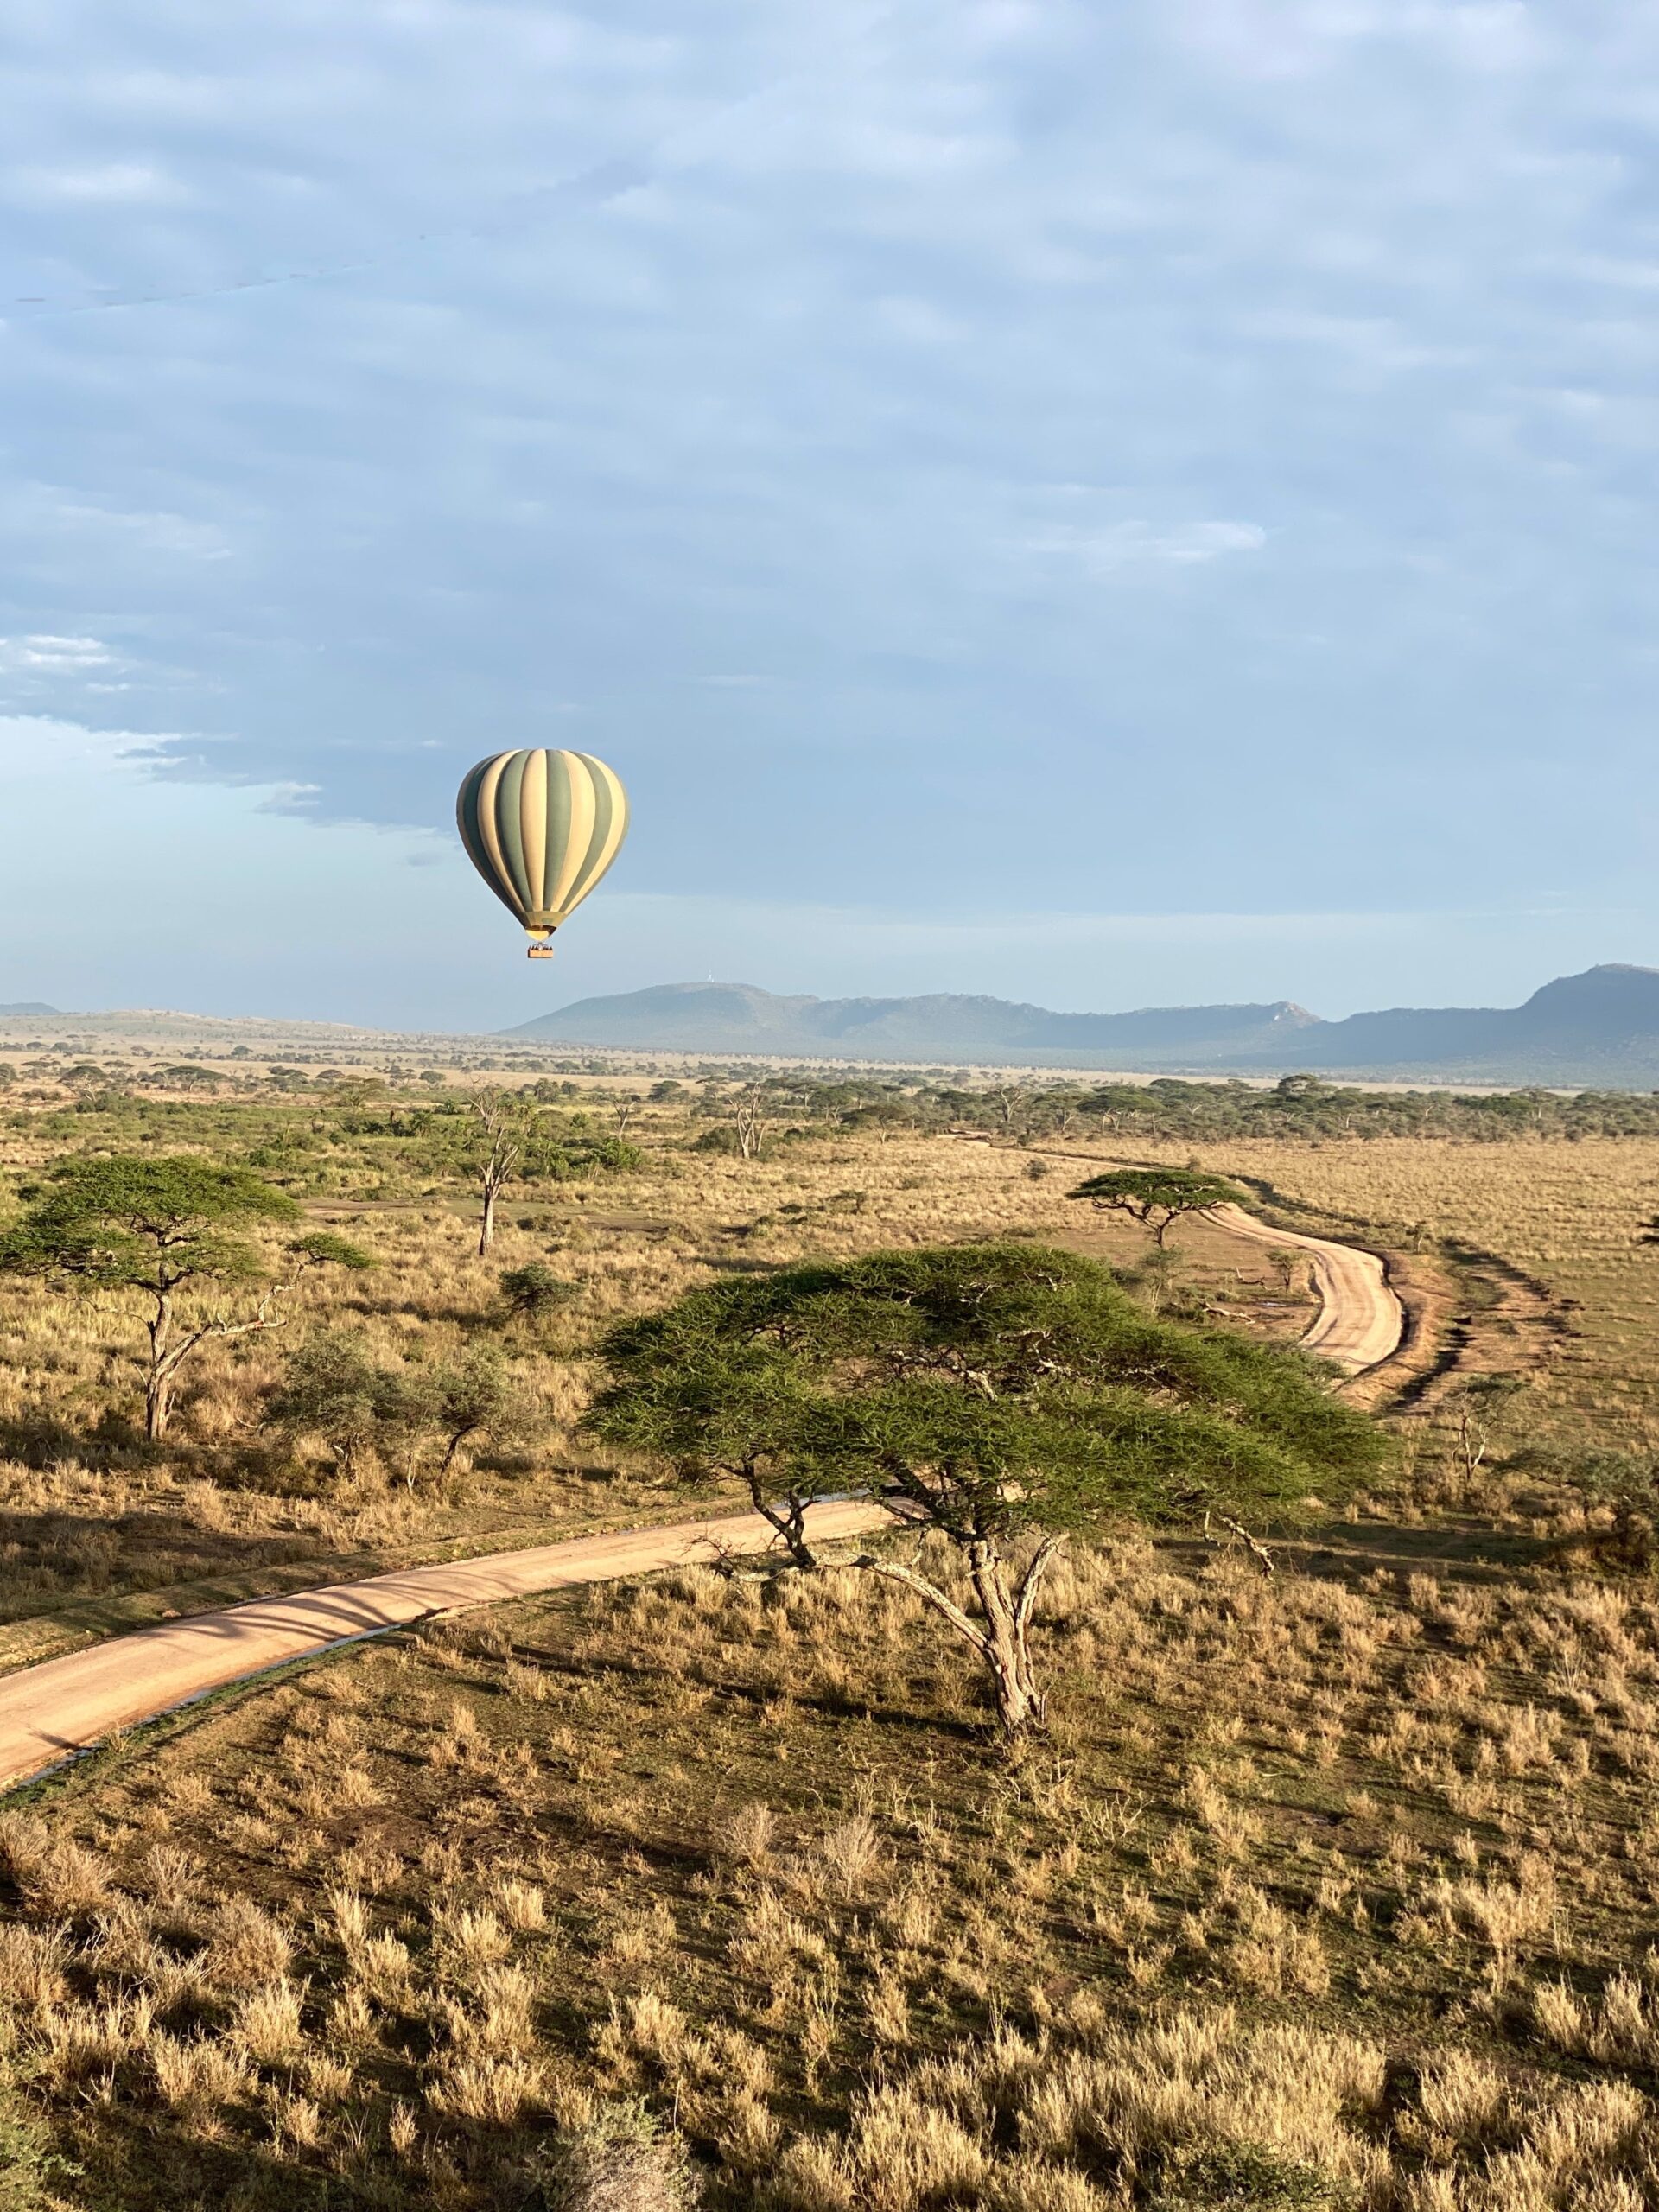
column 1350, row 1551
column 54, row 1561
column 39, row 1437
column 158, row 2161
column 827, row 1705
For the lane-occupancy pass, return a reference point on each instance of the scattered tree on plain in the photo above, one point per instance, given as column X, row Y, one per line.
column 1156, row 1197
column 506, row 1128
column 470, row 1397
column 533, row 1292
column 997, row 1395
column 751, row 1119
column 502, row 1137
column 333, row 1390
column 167, row 1228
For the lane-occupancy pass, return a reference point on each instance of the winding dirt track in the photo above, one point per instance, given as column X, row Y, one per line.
column 1360, row 1319
column 49, row 1712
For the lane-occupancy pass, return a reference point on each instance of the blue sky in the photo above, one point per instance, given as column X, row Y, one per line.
column 1106, row 506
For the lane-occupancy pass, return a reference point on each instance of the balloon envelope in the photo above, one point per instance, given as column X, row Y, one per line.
column 541, row 828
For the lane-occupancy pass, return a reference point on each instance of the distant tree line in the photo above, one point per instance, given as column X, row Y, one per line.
column 1298, row 1107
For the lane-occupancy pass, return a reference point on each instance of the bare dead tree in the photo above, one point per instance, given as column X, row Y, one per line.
column 1009, row 1099
column 751, row 1120
column 505, row 1121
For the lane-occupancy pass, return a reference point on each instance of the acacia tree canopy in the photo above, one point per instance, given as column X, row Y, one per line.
column 144, row 1223
column 163, row 1225
column 989, row 1392
column 1157, row 1197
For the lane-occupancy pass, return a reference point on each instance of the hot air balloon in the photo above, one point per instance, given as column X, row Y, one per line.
column 541, row 828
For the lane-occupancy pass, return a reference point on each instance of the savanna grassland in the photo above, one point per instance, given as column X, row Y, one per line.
column 100, row 1532
column 1565, row 1212
column 1330, row 1888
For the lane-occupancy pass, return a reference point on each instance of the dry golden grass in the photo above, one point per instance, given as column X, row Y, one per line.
column 1334, row 1891
column 1333, row 1888
column 97, row 1532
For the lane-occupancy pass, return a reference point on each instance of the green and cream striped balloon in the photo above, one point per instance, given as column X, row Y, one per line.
column 541, row 828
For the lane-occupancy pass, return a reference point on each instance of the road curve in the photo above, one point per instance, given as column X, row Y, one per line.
column 1360, row 1320
column 49, row 1712
column 1360, row 1323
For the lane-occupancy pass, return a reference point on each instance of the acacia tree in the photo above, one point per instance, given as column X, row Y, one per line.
column 167, row 1228
column 993, row 1393
column 751, row 1112
column 1156, row 1197
column 533, row 1292
column 332, row 1388
column 472, row 1397
column 1011, row 1103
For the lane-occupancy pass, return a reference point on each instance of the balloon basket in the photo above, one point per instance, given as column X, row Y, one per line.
column 538, row 952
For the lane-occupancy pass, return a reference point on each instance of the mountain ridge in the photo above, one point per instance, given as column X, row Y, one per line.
column 1599, row 1026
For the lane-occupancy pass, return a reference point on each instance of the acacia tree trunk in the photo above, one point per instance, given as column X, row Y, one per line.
column 1020, row 1703
column 507, row 1140
column 787, row 1516
column 158, row 1376
column 457, row 1438
column 1003, row 1642
column 166, row 1357
column 168, row 1353
column 748, row 1122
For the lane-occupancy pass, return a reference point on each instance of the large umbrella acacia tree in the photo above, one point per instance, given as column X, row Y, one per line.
column 175, row 1229
column 997, row 1394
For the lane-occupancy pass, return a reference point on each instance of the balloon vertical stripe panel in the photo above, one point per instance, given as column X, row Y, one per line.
column 610, row 826
column 542, row 827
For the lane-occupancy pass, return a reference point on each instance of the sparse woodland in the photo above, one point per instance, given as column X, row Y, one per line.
column 1330, row 1888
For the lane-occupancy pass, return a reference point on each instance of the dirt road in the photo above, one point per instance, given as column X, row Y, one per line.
column 1360, row 1319
column 48, row 1712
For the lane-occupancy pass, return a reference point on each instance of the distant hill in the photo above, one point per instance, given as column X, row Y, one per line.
column 1601, row 1027
column 28, row 1006
column 738, row 1018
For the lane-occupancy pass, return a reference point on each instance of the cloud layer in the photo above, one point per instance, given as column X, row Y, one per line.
column 1191, row 457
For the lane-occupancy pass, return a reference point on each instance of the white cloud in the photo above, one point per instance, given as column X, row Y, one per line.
column 43, row 655
column 158, row 530
column 1371, row 343
column 294, row 799
column 1103, row 551
column 104, row 184
column 1299, row 38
